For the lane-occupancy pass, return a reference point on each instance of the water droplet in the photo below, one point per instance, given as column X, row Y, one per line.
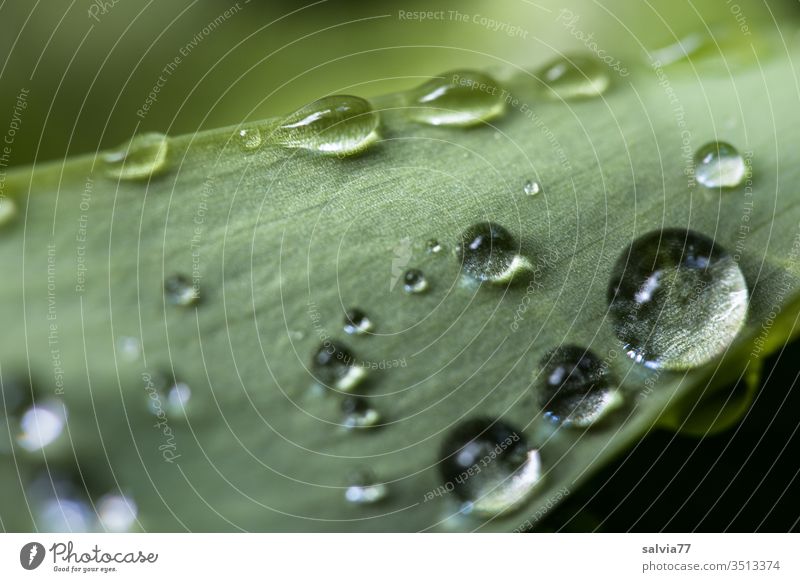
column 576, row 389
column 678, row 299
column 8, row 210
column 41, row 425
column 364, row 489
column 333, row 365
column 458, row 98
column 180, row 290
column 531, row 188
column 719, row 165
column 414, row 281
column 60, row 504
column 358, row 413
column 143, row 156
column 167, row 396
column 488, row 465
column 128, row 348
column 249, row 139
column 488, row 252
column 116, row 513
column 356, row 322
column 433, row 246
column 575, row 76
column 339, row 125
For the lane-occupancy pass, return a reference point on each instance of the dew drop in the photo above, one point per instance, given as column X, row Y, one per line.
column 334, row 366
column 143, row 156
column 531, row 188
column 358, row 413
column 433, row 247
column 339, row 125
column 364, row 489
column 41, row 424
column 356, row 322
column 575, row 387
column 116, row 513
column 180, row 290
column 457, row 98
column 677, row 298
column 8, row 210
column 719, row 165
column 488, row 252
column 166, row 395
column 575, row 76
column 414, row 281
column 487, row 465
column 249, row 139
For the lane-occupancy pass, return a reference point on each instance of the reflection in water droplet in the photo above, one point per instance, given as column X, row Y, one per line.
column 249, row 139
column 488, row 252
column 433, row 246
column 144, row 156
column 414, row 281
column 358, row 413
column 531, row 188
column 339, row 125
column 719, row 165
column 575, row 76
column 678, row 299
column 364, row 489
column 41, row 424
column 8, row 210
column 180, row 290
column 457, row 98
column 356, row 322
column 575, row 387
column 334, row 366
column 488, row 465
column 116, row 513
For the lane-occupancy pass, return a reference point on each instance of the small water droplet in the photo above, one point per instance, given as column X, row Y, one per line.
column 575, row 76
column 719, row 165
column 433, row 246
column 488, row 252
column 334, row 366
column 180, row 290
column 531, row 188
column 575, row 387
column 678, row 299
column 168, row 396
column 457, row 98
column 143, row 156
column 249, row 138
column 116, row 513
column 487, row 464
column 129, row 349
column 340, row 125
column 41, row 424
column 364, row 489
column 356, row 322
column 414, row 281
column 358, row 413
column 8, row 210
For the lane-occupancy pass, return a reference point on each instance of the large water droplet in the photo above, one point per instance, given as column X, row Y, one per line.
column 488, row 465
column 719, row 165
column 334, row 366
column 143, row 156
column 575, row 76
column 364, row 489
column 358, row 413
column 339, row 125
column 575, row 387
column 249, row 139
column 488, row 252
column 116, row 513
column 356, row 322
column 180, row 290
column 414, row 281
column 41, row 425
column 459, row 98
column 677, row 298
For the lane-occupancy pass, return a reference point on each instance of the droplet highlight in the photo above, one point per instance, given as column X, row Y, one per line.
column 358, row 413
column 334, row 366
column 142, row 157
column 457, row 98
column 531, row 188
column 488, row 252
column 575, row 77
column 365, row 489
column 356, row 322
column 41, row 425
column 414, row 281
column 677, row 298
column 181, row 291
column 719, row 165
